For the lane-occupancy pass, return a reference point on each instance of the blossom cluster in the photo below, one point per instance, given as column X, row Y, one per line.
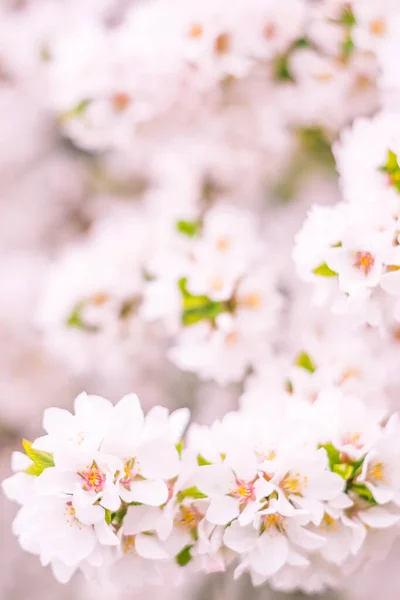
column 210, row 282
column 350, row 251
column 214, row 286
column 157, row 159
column 284, row 492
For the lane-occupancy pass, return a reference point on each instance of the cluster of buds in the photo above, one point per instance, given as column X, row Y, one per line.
column 297, row 493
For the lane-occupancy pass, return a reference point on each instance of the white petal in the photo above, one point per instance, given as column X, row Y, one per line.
column 105, row 534
column 263, row 488
column 243, row 463
column 178, row 421
column 214, row 479
column 140, row 518
column 153, row 493
column 312, row 506
column 156, row 422
column 62, row 572
column 247, row 515
column 110, row 498
column 158, row 459
column 297, row 560
column 326, row 487
column 125, row 427
column 270, row 554
column 337, row 547
column 381, row 493
column 93, row 408
column 44, row 442
column 222, row 510
column 57, row 421
column 18, row 487
column 87, row 512
column 20, row 461
column 341, row 501
column 378, row 517
column 77, row 545
column 148, row 546
column 305, row 538
column 240, row 539
column 54, row 481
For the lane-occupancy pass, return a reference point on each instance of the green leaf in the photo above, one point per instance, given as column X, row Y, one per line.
column 347, row 48
column 304, row 361
column 128, row 307
column 179, row 447
column 108, row 516
column 392, row 164
column 184, row 556
column 302, row 42
column 289, row 386
column 392, row 168
column 333, row 454
column 41, row 460
column 202, row 462
column 208, row 311
column 345, row 470
column 348, row 19
column 362, row 491
column 75, row 112
column 75, row 319
column 189, row 228
column 192, row 492
column 198, row 308
column 324, row 271
column 281, row 71
column 357, row 466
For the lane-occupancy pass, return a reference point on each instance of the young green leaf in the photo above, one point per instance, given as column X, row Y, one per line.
column 189, row 228
column 179, row 447
column 201, row 461
column 324, row 271
column 192, row 492
column 184, row 556
column 332, row 453
column 304, row 361
column 362, row 491
column 41, row 460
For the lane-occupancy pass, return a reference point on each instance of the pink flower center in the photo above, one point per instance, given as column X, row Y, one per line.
column 364, row 261
column 128, row 544
column 187, row 518
column 93, row 478
column 244, row 491
column 129, row 472
column 352, row 438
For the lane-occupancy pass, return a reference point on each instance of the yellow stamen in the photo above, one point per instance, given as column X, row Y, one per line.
column 376, row 471
column 223, row 243
column 187, row 518
column 293, row 483
column 378, row 27
column 222, row 43
column 252, row 300
column 328, row 523
column 128, row 544
column 196, row 31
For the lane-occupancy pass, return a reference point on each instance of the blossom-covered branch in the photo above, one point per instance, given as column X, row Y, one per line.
column 297, row 493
